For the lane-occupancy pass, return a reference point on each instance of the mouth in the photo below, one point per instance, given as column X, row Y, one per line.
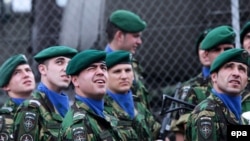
column 27, row 82
column 235, row 82
column 100, row 81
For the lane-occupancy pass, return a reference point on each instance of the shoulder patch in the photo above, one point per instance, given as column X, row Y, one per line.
column 79, row 134
column 205, row 127
column 78, row 115
column 34, row 103
column 29, row 121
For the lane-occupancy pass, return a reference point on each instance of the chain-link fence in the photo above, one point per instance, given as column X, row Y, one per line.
column 167, row 55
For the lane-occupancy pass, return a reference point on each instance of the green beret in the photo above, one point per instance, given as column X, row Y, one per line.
column 244, row 31
column 8, row 67
column 200, row 38
column 83, row 60
column 217, row 36
column 55, row 51
column 118, row 57
column 235, row 55
column 127, row 21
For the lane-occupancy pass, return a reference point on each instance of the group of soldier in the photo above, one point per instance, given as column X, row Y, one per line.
column 220, row 93
column 110, row 100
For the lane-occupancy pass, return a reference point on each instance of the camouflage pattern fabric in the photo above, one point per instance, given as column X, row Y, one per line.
column 138, row 88
column 81, row 123
column 7, row 112
column 144, row 124
column 37, row 119
column 193, row 91
column 209, row 121
column 246, row 98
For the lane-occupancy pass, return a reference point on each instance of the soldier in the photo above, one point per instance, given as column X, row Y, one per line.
column 215, row 42
column 245, row 42
column 124, row 33
column 87, row 120
column 17, row 80
column 40, row 117
column 121, row 103
column 223, row 106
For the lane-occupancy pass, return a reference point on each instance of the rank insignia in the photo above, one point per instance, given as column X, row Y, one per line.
column 29, row 121
column 4, row 137
column 205, row 127
column 1, row 123
column 26, row 137
column 79, row 134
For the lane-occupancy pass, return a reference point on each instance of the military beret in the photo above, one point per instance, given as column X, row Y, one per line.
column 83, row 60
column 8, row 67
column 127, row 21
column 55, row 51
column 217, row 36
column 244, row 31
column 235, row 55
column 200, row 38
column 118, row 57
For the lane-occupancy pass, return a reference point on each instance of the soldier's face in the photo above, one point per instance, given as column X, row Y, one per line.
column 130, row 41
column 92, row 81
column 120, row 78
column 231, row 78
column 204, row 58
column 22, row 82
column 246, row 42
column 53, row 73
column 213, row 53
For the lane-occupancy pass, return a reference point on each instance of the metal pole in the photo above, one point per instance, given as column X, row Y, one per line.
column 236, row 21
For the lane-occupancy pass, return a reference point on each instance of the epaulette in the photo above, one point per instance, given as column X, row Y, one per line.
column 34, row 103
column 6, row 110
column 79, row 115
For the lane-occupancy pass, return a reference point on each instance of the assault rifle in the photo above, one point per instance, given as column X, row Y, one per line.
column 166, row 111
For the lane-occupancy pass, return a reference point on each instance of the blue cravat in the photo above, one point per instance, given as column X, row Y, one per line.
column 18, row 101
column 233, row 103
column 59, row 100
column 96, row 105
column 205, row 71
column 125, row 101
column 108, row 49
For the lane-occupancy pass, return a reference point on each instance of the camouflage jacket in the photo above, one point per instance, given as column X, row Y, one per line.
column 212, row 115
column 37, row 119
column 82, row 123
column 7, row 112
column 144, row 124
column 138, row 88
column 246, row 98
column 193, row 91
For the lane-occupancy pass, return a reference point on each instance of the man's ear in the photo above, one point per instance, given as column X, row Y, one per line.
column 42, row 68
column 119, row 35
column 6, row 88
column 214, row 76
column 74, row 80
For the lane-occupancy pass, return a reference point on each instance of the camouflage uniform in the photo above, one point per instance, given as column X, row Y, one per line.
column 138, row 87
column 246, row 98
column 210, row 114
column 7, row 112
column 193, row 91
column 37, row 119
column 82, row 123
column 143, row 123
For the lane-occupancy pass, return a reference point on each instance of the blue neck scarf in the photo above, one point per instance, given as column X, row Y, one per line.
column 108, row 49
column 232, row 102
column 18, row 101
column 59, row 100
column 125, row 101
column 206, row 71
column 96, row 105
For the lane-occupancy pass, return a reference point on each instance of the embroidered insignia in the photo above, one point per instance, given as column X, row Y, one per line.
column 26, row 137
column 1, row 123
column 205, row 127
column 29, row 121
column 4, row 137
column 79, row 134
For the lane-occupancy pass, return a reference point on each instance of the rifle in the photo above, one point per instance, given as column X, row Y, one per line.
column 166, row 122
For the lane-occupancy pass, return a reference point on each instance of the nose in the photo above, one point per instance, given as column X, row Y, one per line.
column 139, row 41
column 124, row 75
column 236, row 72
column 99, row 71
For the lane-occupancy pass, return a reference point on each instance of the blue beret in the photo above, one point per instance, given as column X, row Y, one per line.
column 8, row 67
column 55, row 51
column 83, row 60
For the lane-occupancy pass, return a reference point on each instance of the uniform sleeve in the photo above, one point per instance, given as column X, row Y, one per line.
column 202, row 126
